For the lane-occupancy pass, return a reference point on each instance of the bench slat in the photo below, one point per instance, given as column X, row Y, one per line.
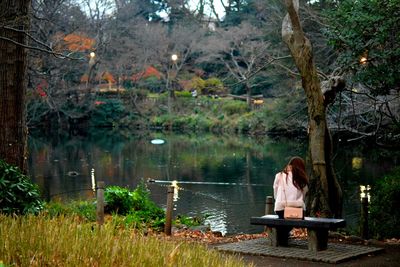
column 308, row 222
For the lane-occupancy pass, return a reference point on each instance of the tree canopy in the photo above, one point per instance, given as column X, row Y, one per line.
column 366, row 37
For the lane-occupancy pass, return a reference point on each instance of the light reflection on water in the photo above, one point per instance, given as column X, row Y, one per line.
column 217, row 221
column 223, row 178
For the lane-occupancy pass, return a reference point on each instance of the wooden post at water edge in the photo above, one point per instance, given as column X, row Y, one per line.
column 168, row 213
column 364, row 218
column 100, row 203
column 269, row 205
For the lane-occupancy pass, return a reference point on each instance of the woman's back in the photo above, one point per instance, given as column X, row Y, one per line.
column 286, row 193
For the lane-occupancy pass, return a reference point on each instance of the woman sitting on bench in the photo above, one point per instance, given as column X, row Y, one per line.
column 290, row 186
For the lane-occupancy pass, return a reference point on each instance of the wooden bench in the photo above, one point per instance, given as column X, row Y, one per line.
column 317, row 229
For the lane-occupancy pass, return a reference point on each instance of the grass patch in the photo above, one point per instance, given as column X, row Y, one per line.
column 63, row 241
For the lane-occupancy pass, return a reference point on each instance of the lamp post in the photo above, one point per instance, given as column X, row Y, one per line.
column 174, row 58
column 92, row 63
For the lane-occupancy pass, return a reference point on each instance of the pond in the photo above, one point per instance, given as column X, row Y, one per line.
column 223, row 178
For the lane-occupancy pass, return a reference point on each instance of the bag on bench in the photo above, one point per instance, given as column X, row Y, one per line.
column 293, row 213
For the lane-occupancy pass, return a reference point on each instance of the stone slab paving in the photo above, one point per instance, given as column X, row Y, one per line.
column 298, row 249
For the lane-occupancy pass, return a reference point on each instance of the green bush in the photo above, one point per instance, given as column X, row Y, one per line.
column 136, row 206
column 197, row 84
column 164, row 120
column 119, row 200
column 213, row 86
column 245, row 123
column 153, row 84
column 199, row 122
column 384, row 208
column 235, row 107
column 183, row 94
column 107, row 113
column 17, row 193
column 123, row 201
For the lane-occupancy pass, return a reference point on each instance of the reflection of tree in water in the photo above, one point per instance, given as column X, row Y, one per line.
column 121, row 158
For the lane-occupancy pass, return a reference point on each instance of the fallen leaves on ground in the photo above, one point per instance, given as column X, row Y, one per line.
column 393, row 241
column 210, row 237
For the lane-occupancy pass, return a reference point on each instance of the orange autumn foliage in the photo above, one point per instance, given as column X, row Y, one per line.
column 149, row 72
column 108, row 77
column 84, row 78
column 78, row 42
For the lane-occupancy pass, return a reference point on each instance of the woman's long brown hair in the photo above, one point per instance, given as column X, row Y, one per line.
column 300, row 178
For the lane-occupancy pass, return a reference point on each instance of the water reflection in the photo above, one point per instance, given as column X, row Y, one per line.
column 225, row 178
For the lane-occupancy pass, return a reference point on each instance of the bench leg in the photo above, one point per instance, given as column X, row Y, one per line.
column 317, row 239
column 272, row 238
column 278, row 236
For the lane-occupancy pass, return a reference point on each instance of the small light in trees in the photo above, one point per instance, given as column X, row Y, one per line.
column 356, row 163
column 363, row 60
column 92, row 54
column 174, row 57
column 365, row 192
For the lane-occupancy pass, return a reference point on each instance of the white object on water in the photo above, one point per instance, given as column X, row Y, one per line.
column 157, row 141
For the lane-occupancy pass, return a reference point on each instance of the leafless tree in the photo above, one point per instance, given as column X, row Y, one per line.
column 157, row 43
column 366, row 116
column 243, row 50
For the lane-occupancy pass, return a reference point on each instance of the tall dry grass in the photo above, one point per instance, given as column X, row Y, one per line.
column 64, row 241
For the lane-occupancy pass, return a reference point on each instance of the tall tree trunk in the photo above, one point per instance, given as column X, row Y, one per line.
column 14, row 23
column 325, row 195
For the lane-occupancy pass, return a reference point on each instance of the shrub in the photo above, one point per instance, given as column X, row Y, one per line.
column 200, row 122
column 164, row 120
column 107, row 113
column 183, row 94
column 152, row 83
column 384, row 208
column 136, row 205
column 245, row 123
column 17, row 193
column 123, row 201
column 213, row 86
column 235, row 107
column 197, row 83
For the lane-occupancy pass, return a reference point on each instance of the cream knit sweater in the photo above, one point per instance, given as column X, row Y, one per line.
column 294, row 197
